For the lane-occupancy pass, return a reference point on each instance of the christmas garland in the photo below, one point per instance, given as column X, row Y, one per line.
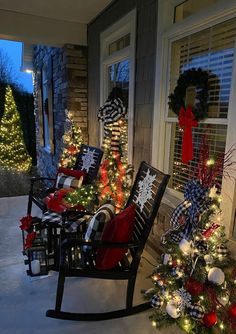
column 192, row 77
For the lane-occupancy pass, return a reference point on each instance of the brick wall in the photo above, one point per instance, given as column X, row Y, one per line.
column 69, row 67
column 144, row 75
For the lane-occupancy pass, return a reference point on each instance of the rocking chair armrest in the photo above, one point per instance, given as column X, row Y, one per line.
column 68, row 243
column 35, row 179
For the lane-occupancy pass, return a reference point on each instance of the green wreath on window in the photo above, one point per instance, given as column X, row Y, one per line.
column 193, row 77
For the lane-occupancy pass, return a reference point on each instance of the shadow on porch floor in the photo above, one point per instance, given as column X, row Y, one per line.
column 24, row 300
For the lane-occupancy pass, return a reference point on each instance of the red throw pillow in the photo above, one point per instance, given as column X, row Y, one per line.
column 71, row 172
column 119, row 229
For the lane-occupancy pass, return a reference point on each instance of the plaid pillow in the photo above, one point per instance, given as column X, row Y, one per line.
column 96, row 225
column 65, row 181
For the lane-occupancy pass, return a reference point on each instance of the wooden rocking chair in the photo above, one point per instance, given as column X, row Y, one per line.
column 38, row 190
column 146, row 211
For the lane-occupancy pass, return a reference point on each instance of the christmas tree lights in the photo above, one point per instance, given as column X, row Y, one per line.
column 195, row 280
column 13, row 153
column 72, row 140
column 116, row 174
column 86, row 196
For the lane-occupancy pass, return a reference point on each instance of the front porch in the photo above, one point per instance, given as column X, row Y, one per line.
column 25, row 300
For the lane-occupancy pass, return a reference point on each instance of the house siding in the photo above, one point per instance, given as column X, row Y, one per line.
column 146, row 29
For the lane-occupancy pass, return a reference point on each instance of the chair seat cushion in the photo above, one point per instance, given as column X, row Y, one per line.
column 120, row 229
column 96, row 224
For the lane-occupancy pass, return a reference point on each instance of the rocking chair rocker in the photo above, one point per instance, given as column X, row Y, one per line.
column 146, row 203
column 38, row 191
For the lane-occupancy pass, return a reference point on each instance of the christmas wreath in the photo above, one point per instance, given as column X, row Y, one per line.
column 192, row 77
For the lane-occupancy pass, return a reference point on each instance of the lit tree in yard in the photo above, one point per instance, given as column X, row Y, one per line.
column 13, row 153
column 195, row 280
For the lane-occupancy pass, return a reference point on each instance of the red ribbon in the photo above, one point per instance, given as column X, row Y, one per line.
column 186, row 122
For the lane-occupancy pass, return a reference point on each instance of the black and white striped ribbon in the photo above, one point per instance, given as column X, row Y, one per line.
column 195, row 203
column 112, row 111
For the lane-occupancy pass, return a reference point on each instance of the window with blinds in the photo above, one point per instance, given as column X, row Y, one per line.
column 213, row 50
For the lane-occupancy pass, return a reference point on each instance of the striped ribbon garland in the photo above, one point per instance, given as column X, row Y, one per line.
column 110, row 113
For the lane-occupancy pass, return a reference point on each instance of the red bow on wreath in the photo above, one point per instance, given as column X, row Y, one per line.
column 186, row 122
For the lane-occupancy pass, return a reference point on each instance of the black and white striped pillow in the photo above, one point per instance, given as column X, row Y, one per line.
column 65, row 181
column 96, row 225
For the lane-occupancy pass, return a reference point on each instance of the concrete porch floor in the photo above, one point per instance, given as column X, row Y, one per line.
column 24, row 300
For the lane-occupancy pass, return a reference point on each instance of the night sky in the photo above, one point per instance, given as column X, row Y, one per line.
column 13, row 49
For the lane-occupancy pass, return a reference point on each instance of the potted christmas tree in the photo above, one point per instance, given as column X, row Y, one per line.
column 195, row 280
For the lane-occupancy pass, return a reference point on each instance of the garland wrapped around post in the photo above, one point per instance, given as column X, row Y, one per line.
column 115, row 172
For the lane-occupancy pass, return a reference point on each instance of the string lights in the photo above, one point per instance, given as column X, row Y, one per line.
column 13, row 153
column 72, row 140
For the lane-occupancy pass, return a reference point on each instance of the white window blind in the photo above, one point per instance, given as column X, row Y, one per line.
column 213, row 50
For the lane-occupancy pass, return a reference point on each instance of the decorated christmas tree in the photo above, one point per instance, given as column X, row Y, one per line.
column 195, row 281
column 116, row 174
column 13, row 153
column 72, row 139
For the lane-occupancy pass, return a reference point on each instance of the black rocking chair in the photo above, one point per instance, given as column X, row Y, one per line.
column 38, row 190
column 146, row 211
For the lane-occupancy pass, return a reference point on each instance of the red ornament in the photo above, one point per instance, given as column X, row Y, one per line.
column 232, row 311
column 209, row 319
column 194, row 287
column 72, row 149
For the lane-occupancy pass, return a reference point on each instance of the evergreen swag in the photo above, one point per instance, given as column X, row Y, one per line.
column 192, row 77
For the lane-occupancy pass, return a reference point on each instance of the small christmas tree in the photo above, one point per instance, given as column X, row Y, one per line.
column 13, row 153
column 116, row 174
column 72, row 140
column 195, row 282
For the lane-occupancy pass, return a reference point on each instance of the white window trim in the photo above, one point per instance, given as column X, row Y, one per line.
column 122, row 27
column 167, row 32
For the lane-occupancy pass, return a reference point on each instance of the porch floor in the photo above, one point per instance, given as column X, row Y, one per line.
column 24, row 300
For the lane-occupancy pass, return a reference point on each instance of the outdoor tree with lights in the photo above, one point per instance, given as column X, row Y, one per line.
column 13, row 153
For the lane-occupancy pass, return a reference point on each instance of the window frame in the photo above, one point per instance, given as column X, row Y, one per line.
column 125, row 25
column 46, row 80
column 167, row 33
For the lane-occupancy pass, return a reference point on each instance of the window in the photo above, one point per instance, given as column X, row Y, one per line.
column 118, row 76
column 45, row 104
column 119, row 44
column 117, row 67
column 213, row 50
column 45, row 109
column 207, row 40
column 189, row 7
